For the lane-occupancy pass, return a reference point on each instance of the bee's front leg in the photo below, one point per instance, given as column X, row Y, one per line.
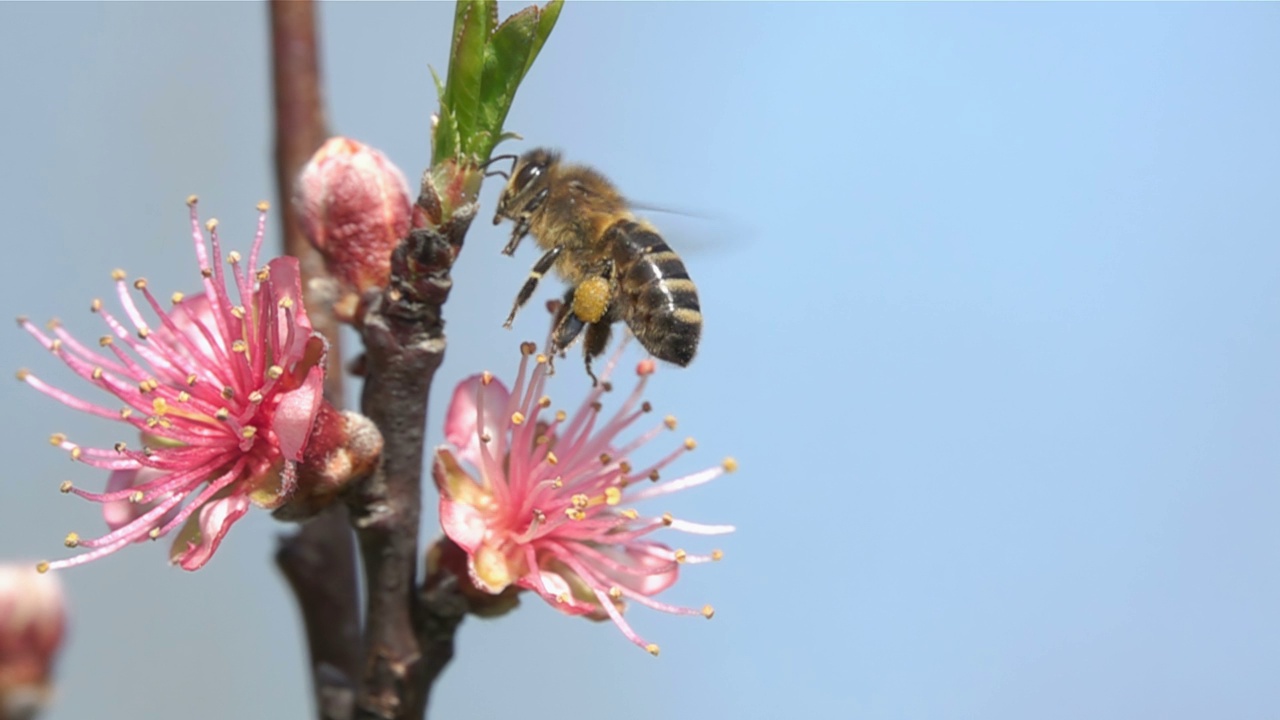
column 526, row 291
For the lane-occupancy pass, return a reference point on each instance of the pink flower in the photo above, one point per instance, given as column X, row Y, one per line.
column 544, row 509
column 224, row 390
column 32, row 625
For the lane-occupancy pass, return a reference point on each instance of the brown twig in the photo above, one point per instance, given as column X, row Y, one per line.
column 404, row 345
column 318, row 560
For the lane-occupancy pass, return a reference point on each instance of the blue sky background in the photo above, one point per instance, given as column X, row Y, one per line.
column 993, row 327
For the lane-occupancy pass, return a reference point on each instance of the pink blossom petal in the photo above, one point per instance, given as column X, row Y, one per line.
column 463, row 425
column 202, row 534
column 464, row 524
column 285, row 281
column 119, row 513
column 296, row 413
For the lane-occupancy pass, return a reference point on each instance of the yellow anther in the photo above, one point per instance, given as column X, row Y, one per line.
column 264, row 206
column 667, row 519
column 136, row 497
column 560, row 416
column 551, row 458
column 65, row 487
column 729, row 465
column 95, row 306
column 42, row 567
column 262, row 277
column 653, row 649
column 222, row 414
column 55, row 346
column 541, row 440
column 544, row 402
column 528, row 348
column 240, row 346
column 53, row 324
column 681, row 556
column 670, row 422
column 184, row 396
column 274, row 372
column 580, row 500
column 708, row 612
column 191, row 380
column 557, row 483
column 76, row 453
column 140, row 284
column 57, row 439
column 255, row 397
column 192, row 200
column 23, row 374
column 154, row 534
column 630, row 513
column 486, row 377
column 126, row 413
column 574, row 513
column 249, row 431
column 176, row 298
column 105, row 341
column 237, row 312
column 690, row 443
column 96, row 374
column 717, row 555
column 612, row 496
column 615, row 592
column 210, row 224
column 517, row 418
column 541, row 359
column 120, row 447
column 143, row 333
column 233, row 257
column 71, row 540
column 118, row 274
column 562, row 598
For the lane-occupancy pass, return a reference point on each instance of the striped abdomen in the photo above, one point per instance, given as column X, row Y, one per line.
column 655, row 296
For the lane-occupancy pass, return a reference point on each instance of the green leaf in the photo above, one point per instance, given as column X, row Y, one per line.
column 546, row 23
column 466, row 64
column 506, row 58
column 487, row 61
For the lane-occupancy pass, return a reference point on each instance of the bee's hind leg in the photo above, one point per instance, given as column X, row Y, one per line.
column 565, row 329
column 593, row 346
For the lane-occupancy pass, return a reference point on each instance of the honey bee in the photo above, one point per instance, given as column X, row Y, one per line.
column 618, row 267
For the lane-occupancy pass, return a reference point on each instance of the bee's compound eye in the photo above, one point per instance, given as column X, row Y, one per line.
column 526, row 175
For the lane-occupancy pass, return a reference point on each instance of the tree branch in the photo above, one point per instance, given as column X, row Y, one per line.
column 318, row 560
column 404, row 345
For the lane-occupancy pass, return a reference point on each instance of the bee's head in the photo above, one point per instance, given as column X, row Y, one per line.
column 526, row 188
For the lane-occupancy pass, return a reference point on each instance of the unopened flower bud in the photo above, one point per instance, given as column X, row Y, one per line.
column 354, row 207
column 343, row 447
column 32, row 624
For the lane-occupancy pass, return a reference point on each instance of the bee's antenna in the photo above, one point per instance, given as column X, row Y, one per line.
column 493, row 160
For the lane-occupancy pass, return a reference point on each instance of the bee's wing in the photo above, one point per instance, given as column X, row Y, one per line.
column 693, row 232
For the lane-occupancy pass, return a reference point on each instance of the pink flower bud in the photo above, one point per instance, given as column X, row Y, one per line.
column 354, row 206
column 32, row 625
